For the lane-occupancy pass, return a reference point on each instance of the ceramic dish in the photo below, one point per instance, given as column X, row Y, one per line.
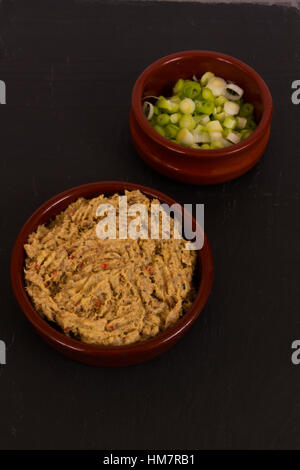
column 194, row 165
column 89, row 353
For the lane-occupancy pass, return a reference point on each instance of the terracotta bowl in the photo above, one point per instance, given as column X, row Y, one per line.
column 193, row 165
column 92, row 354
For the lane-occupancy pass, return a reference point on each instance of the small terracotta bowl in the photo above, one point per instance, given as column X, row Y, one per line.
column 92, row 354
column 193, row 165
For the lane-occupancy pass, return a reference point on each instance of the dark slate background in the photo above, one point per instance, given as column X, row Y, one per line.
column 69, row 67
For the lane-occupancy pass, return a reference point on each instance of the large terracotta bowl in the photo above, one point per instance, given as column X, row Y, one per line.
column 92, row 354
column 194, row 165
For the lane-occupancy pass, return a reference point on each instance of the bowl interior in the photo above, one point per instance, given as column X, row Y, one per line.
column 159, row 79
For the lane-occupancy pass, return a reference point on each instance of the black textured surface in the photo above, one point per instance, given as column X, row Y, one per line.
column 69, row 68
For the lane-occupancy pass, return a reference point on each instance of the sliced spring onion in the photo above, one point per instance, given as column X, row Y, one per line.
column 216, row 144
column 234, row 137
column 246, row 110
column 175, row 99
column 246, row 133
column 231, row 108
column 187, row 121
column 251, row 124
column 174, row 118
column 226, row 142
column 207, row 94
column 148, row 109
column 167, row 105
column 205, row 77
column 171, row 131
column 241, row 122
column 187, row 106
column 212, row 126
column 204, row 119
column 197, row 118
column 220, row 116
column 185, row 137
column 201, row 137
column 217, row 85
column 200, row 134
column 233, row 92
column 178, row 86
column 163, row 119
column 220, row 100
column 204, row 107
column 215, row 135
column 203, row 114
column 191, row 89
column 160, row 130
column 150, row 96
column 229, row 122
column 199, row 128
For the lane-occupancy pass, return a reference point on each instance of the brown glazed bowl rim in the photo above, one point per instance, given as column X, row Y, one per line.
column 44, row 328
column 137, row 97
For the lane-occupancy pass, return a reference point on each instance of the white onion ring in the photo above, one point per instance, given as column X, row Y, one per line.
column 150, row 96
column 151, row 110
column 238, row 92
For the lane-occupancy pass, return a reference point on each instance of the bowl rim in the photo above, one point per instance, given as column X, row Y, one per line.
column 45, row 329
column 137, row 96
